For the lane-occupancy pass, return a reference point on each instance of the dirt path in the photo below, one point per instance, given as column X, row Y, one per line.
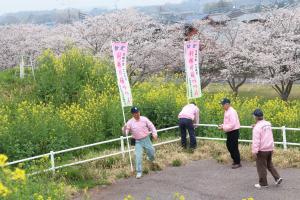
column 202, row 180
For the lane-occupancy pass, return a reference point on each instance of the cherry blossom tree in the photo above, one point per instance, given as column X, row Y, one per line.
column 235, row 40
column 277, row 50
column 30, row 40
column 267, row 50
column 140, row 31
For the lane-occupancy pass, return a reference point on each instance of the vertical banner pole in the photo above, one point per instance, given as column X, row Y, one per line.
column 120, row 50
column 122, row 147
column 187, row 90
column 124, row 118
column 186, row 77
column 128, row 145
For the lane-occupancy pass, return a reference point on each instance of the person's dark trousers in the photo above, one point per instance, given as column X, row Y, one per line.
column 232, row 144
column 187, row 124
column 264, row 162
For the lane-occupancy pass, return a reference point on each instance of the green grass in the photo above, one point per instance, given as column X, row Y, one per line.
column 252, row 90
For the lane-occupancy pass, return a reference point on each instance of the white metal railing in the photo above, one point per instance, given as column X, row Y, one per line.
column 123, row 151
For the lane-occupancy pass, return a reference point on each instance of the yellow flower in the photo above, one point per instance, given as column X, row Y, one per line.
column 4, row 191
column 38, row 197
column 128, row 197
column 3, row 159
column 18, row 174
column 181, row 197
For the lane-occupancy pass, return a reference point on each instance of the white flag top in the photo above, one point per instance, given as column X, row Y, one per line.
column 120, row 53
column 191, row 57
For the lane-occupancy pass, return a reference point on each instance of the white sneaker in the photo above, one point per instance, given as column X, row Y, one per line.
column 279, row 181
column 139, row 175
column 258, row 186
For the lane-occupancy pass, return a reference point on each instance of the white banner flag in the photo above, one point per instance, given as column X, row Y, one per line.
column 191, row 57
column 120, row 54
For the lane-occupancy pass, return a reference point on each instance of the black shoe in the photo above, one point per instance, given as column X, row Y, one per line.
column 278, row 181
column 235, row 166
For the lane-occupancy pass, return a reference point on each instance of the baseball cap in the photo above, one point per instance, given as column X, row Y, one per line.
column 135, row 110
column 258, row 113
column 225, row 101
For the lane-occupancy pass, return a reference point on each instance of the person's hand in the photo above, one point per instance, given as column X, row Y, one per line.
column 252, row 125
column 155, row 137
column 126, row 133
column 195, row 126
column 220, row 127
column 254, row 156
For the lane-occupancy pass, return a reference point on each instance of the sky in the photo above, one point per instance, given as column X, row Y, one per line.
column 9, row 6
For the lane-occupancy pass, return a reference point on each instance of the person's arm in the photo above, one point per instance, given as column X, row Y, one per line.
column 126, row 128
column 220, row 126
column 151, row 126
column 255, row 140
column 232, row 122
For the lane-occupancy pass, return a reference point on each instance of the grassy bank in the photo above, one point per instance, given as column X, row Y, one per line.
column 253, row 89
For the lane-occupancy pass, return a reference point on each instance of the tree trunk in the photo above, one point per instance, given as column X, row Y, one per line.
column 283, row 89
column 236, row 83
column 205, row 82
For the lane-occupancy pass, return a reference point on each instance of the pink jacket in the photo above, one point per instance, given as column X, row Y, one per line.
column 262, row 137
column 190, row 111
column 231, row 120
column 141, row 128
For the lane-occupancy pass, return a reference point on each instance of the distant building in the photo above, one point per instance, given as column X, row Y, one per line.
column 50, row 24
column 235, row 13
column 251, row 18
column 217, row 19
column 179, row 17
column 82, row 16
column 191, row 18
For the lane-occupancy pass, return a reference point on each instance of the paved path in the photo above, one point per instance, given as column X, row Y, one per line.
column 202, row 180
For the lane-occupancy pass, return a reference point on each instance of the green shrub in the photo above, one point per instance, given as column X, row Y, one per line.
column 176, row 163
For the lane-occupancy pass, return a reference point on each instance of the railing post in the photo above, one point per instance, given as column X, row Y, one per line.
column 122, row 147
column 52, row 162
column 284, row 137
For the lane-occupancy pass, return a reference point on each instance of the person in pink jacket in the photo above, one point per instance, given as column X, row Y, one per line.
column 262, row 149
column 188, row 118
column 140, row 127
column 231, row 126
